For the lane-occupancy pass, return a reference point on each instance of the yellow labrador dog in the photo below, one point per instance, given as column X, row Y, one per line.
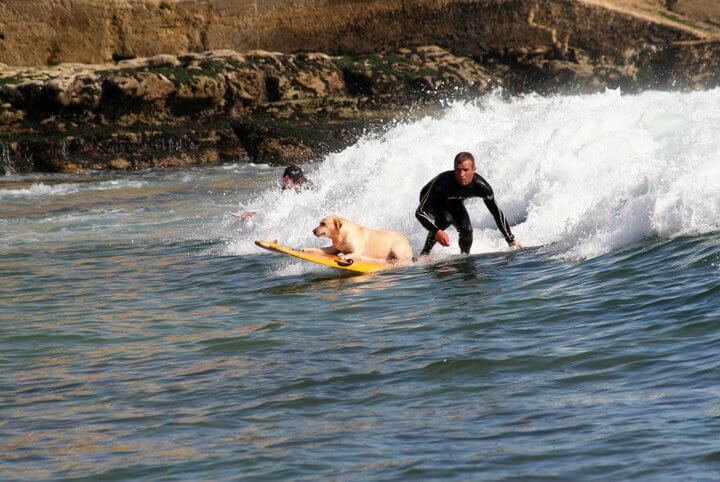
column 355, row 241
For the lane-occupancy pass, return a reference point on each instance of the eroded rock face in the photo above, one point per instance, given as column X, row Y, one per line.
column 266, row 146
column 426, row 70
column 120, row 149
column 688, row 65
column 81, row 107
column 44, row 32
column 97, row 114
column 167, row 89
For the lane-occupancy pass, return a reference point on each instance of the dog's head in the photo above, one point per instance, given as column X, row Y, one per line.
column 329, row 226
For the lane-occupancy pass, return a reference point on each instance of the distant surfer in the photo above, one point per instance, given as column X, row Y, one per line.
column 441, row 205
column 292, row 178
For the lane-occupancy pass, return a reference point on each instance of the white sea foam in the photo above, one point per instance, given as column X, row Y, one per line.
column 41, row 189
column 244, row 166
column 585, row 174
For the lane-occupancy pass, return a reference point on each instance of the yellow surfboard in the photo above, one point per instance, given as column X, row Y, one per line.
column 356, row 266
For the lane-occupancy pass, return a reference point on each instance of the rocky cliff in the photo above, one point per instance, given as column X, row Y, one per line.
column 169, row 110
column 137, row 83
column 46, row 32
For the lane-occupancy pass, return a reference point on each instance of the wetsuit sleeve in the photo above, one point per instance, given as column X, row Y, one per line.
column 423, row 211
column 483, row 190
column 499, row 217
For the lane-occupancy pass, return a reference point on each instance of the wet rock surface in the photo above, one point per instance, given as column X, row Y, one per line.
column 224, row 106
column 83, row 117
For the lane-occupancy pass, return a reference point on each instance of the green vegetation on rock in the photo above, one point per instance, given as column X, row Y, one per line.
column 13, row 80
column 181, row 74
column 391, row 64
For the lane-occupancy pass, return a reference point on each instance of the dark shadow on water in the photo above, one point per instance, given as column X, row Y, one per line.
column 464, row 267
column 471, row 268
column 307, row 283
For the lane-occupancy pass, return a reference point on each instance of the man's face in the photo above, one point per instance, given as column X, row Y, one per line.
column 287, row 182
column 464, row 172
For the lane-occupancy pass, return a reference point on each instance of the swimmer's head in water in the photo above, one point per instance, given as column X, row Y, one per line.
column 464, row 168
column 292, row 177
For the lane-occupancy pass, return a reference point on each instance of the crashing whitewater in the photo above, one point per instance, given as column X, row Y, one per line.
column 581, row 175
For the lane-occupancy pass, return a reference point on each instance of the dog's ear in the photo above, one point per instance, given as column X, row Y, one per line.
column 338, row 223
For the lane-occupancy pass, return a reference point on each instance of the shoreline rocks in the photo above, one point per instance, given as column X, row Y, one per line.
column 82, row 117
column 222, row 106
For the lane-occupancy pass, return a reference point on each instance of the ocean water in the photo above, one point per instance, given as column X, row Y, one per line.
column 143, row 336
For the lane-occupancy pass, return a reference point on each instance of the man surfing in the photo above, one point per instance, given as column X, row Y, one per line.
column 441, row 205
column 293, row 178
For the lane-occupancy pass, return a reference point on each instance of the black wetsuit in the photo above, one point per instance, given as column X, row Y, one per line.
column 441, row 204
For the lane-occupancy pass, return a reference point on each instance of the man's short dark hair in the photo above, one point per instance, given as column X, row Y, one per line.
column 295, row 173
column 464, row 156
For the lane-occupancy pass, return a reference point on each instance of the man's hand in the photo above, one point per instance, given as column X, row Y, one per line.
column 442, row 237
column 247, row 215
column 515, row 245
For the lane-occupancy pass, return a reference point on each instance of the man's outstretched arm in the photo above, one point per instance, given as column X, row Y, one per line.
column 501, row 221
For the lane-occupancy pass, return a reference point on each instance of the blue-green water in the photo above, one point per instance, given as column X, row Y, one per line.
column 144, row 337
